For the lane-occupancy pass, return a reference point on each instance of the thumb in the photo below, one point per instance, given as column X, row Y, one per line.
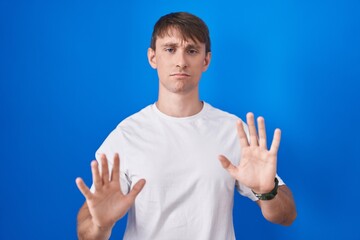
column 227, row 165
column 136, row 189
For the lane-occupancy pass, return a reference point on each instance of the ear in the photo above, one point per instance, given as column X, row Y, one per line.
column 152, row 58
column 207, row 61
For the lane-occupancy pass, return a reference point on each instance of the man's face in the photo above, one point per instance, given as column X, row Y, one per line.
column 179, row 63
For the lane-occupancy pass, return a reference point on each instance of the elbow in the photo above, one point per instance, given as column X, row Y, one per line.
column 288, row 221
column 290, row 216
column 285, row 219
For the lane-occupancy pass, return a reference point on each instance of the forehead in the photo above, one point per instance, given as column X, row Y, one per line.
column 173, row 35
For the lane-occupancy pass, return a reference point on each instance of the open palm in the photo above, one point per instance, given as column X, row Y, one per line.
column 257, row 167
column 108, row 204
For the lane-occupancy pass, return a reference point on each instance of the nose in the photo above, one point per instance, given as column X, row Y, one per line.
column 181, row 61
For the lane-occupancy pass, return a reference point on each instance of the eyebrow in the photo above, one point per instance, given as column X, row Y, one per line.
column 170, row 44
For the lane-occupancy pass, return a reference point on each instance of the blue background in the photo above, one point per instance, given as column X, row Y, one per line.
column 71, row 70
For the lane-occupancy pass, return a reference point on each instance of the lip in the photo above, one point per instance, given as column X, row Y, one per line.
column 180, row 75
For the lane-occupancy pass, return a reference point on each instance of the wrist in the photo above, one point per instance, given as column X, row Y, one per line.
column 101, row 232
column 269, row 195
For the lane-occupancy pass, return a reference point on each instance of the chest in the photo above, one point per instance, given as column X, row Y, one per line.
column 167, row 154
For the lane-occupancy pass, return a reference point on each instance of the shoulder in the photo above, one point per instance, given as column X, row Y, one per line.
column 218, row 114
column 131, row 125
column 137, row 120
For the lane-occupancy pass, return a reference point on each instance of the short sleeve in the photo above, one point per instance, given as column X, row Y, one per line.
column 110, row 147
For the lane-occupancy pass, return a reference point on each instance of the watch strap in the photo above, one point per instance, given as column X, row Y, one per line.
column 270, row 195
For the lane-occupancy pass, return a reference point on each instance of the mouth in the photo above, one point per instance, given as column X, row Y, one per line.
column 180, row 75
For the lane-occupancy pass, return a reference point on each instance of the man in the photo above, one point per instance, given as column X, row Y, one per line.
column 181, row 146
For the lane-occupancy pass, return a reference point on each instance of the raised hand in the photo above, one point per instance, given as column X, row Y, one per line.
column 257, row 167
column 108, row 204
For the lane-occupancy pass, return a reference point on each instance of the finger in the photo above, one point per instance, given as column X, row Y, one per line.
column 96, row 175
column 115, row 174
column 227, row 165
column 252, row 129
column 241, row 133
column 262, row 132
column 104, row 169
column 136, row 189
column 83, row 188
column 276, row 141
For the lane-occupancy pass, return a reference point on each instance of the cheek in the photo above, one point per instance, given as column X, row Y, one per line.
column 162, row 71
column 200, row 68
column 161, row 68
column 162, row 63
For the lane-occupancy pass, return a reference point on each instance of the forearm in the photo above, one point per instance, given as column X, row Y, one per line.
column 281, row 209
column 86, row 229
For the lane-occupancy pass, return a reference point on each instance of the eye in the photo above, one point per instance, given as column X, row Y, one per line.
column 192, row 51
column 170, row 50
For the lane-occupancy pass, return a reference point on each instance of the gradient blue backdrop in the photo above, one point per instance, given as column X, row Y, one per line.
column 71, row 70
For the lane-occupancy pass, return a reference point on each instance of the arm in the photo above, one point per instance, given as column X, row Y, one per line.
column 281, row 209
column 257, row 171
column 86, row 229
column 107, row 204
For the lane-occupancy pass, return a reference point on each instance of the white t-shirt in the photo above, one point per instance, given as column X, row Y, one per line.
column 188, row 194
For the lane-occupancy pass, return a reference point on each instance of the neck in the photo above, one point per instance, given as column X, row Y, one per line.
column 178, row 105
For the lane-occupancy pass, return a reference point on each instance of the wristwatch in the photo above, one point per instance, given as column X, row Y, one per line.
column 269, row 195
